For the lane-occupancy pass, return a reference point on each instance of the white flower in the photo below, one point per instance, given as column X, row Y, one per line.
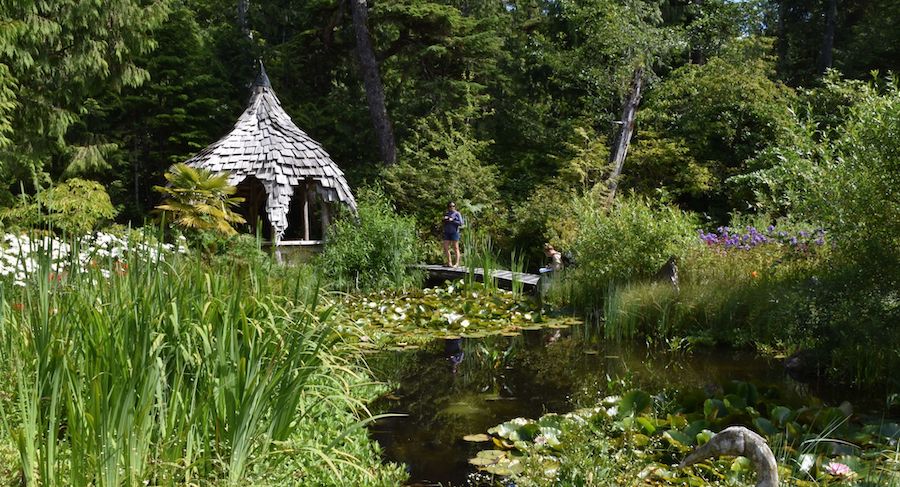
column 452, row 317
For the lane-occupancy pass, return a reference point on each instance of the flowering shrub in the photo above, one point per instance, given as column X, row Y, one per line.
column 21, row 255
column 733, row 238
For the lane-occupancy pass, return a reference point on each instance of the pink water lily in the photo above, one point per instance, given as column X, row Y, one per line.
column 838, row 469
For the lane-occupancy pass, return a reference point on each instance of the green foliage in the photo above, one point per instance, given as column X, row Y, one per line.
column 636, row 438
column 199, row 201
column 632, row 240
column 549, row 212
column 180, row 373
column 863, row 40
column 441, row 163
column 56, row 57
column 701, row 125
column 372, row 251
column 845, row 178
column 74, row 207
column 440, row 57
column 186, row 103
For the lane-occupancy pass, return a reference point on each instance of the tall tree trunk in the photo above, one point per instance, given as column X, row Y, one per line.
column 826, row 55
column 372, row 80
column 781, row 43
column 620, row 149
column 243, row 6
column 697, row 56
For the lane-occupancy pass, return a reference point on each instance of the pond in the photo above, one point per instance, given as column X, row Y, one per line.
column 454, row 387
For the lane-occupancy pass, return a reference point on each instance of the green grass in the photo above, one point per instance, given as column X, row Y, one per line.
column 171, row 372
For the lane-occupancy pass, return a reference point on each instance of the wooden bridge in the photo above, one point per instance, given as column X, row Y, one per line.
column 531, row 283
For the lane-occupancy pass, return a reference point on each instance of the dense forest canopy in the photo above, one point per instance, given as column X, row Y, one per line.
column 488, row 102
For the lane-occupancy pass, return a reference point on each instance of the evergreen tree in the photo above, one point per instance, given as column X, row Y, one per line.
column 55, row 59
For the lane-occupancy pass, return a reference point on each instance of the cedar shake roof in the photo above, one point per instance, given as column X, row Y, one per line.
column 266, row 144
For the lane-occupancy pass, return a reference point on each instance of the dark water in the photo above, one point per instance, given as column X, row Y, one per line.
column 454, row 388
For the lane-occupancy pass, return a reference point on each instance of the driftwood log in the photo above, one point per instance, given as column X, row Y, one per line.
column 740, row 441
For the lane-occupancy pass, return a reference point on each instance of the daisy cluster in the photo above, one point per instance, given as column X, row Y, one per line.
column 21, row 255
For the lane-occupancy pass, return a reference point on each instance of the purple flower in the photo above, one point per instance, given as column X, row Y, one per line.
column 771, row 228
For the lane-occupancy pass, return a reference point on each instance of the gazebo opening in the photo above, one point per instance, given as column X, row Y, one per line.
column 307, row 215
column 253, row 209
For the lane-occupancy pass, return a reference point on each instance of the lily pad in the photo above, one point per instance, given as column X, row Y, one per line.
column 633, row 403
column 477, row 438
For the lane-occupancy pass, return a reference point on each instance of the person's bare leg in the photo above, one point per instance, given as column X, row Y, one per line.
column 456, row 249
column 447, row 260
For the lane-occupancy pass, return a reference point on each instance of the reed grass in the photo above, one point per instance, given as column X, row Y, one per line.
column 167, row 372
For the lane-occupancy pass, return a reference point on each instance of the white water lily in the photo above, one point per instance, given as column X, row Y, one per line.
column 464, row 323
column 806, row 462
column 452, row 317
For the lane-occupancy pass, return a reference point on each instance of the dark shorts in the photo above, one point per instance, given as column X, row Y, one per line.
column 451, row 235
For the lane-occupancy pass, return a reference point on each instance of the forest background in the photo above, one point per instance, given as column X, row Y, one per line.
column 499, row 104
column 786, row 111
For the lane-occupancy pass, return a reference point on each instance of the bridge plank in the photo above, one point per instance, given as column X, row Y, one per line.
column 528, row 280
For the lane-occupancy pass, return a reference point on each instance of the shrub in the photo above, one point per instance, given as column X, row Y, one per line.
column 75, row 207
column 630, row 241
column 846, row 178
column 372, row 251
column 198, row 200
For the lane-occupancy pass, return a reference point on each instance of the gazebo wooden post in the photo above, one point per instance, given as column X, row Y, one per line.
column 306, row 211
column 277, row 241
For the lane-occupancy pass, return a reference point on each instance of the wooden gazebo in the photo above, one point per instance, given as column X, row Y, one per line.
column 278, row 168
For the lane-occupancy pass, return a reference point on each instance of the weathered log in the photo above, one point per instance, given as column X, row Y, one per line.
column 740, row 441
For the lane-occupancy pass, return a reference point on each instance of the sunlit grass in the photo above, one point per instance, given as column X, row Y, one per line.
column 172, row 372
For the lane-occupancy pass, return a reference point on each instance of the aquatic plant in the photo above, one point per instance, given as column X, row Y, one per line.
column 459, row 309
column 812, row 443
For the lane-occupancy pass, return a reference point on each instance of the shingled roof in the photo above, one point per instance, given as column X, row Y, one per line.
column 266, row 144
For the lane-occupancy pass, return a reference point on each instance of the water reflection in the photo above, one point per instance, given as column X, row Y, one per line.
column 454, row 353
column 497, row 378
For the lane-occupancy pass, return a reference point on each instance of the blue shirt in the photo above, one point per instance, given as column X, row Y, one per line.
column 452, row 225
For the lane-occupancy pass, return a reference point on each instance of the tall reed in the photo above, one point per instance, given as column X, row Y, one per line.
column 166, row 372
column 479, row 255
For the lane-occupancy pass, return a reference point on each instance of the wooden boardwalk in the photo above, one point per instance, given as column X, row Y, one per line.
column 530, row 282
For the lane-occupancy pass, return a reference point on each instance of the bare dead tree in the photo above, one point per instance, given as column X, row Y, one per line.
column 620, row 148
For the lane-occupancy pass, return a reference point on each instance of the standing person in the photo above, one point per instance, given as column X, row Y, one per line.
column 451, row 223
column 555, row 257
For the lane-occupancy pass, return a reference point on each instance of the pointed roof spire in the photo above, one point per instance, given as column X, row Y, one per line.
column 262, row 79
